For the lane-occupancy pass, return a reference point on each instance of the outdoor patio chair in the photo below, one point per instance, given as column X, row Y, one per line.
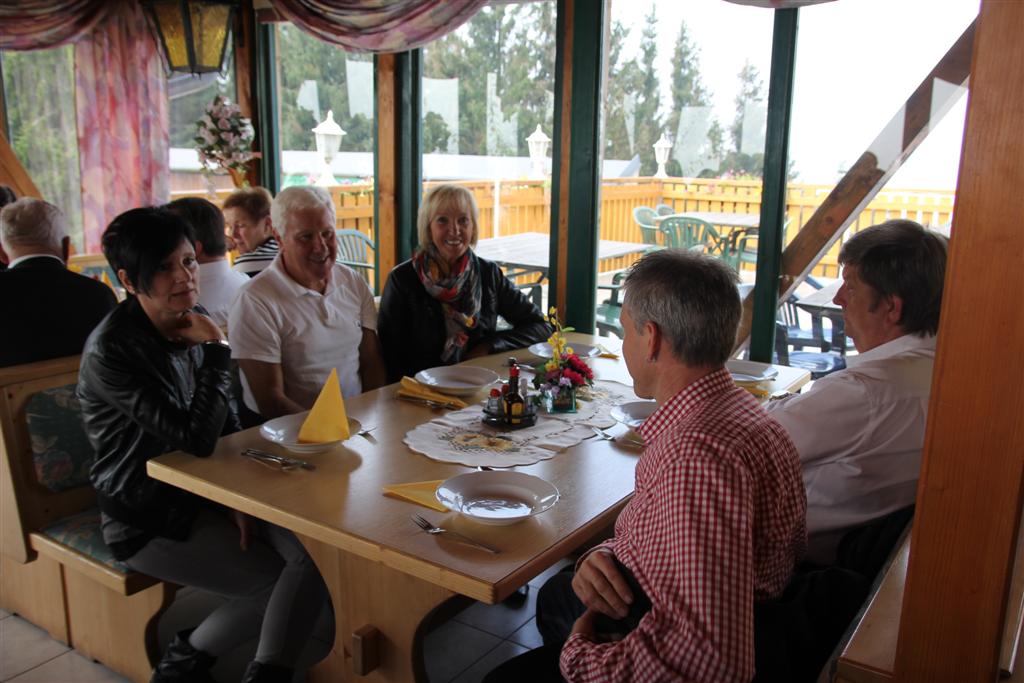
column 608, row 311
column 664, row 210
column 355, row 250
column 645, row 217
column 818, row 364
column 686, row 232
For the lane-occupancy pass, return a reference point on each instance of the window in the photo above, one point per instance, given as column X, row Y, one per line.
column 685, row 101
column 189, row 94
column 488, row 87
column 39, row 94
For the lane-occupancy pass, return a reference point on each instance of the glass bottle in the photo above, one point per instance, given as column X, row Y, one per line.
column 515, row 405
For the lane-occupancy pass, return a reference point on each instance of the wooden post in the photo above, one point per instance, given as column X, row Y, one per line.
column 970, row 493
column 386, row 178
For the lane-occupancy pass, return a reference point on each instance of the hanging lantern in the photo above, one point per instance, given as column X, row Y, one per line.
column 194, row 33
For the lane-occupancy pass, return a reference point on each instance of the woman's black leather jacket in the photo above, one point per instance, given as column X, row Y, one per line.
column 142, row 396
column 411, row 322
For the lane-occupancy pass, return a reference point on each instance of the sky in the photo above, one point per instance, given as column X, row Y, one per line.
column 857, row 61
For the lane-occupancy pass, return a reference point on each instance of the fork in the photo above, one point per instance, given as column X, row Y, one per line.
column 603, row 434
column 432, row 529
column 273, row 457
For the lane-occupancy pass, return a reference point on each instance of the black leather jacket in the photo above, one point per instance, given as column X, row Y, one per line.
column 142, row 396
column 411, row 322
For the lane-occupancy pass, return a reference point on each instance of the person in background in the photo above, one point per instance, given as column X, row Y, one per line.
column 442, row 306
column 154, row 378
column 304, row 315
column 717, row 520
column 247, row 216
column 49, row 311
column 860, row 431
column 218, row 283
column 7, row 196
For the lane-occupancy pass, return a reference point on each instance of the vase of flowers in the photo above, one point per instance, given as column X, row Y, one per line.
column 224, row 140
column 558, row 380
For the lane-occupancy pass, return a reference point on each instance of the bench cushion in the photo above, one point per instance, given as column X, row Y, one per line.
column 81, row 532
column 61, row 452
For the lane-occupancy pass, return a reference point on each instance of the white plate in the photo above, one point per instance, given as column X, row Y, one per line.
column 634, row 413
column 497, row 497
column 543, row 349
column 750, row 371
column 457, row 380
column 284, row 430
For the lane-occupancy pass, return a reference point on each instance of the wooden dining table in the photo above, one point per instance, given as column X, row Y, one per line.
column 384, row 574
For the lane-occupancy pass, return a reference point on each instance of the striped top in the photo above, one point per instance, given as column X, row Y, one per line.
column 253, row 262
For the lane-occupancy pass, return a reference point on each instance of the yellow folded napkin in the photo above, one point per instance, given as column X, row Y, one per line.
column 420, row 492
column 757, row 389
column 327, row 420
column 414, row 389
column 606, row 353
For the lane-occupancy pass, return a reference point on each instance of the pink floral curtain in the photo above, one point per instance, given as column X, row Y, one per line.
column 122, row 111
column 37, row 24
column 378, row 25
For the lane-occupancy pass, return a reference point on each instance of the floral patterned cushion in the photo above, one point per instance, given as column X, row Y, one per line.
column 82, row 532
column 62, row 453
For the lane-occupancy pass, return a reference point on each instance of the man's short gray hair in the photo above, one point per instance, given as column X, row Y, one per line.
column 693, row 300
column 30, row 222
column 297, row 198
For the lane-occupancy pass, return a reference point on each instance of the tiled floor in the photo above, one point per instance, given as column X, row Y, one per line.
column 461, row 650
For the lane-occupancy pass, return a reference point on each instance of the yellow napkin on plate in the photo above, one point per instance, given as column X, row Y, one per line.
column 414, row 389
column 419, row 492
column 757, row 389
column 327, row 420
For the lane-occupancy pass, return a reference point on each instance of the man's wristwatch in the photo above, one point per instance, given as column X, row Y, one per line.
column 218, row 342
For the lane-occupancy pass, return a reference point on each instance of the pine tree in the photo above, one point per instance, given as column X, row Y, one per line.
column 648, row 122
column 623, row 83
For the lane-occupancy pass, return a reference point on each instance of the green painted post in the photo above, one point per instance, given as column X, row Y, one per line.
column 584, row 161
column 773, row 192
column 266, row 101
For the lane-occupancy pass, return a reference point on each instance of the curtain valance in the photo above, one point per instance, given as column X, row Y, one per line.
column 378, row 25
column 39, row 24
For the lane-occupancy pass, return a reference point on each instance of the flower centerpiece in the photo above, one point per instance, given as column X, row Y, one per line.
column 224, row 140
column 559, row 378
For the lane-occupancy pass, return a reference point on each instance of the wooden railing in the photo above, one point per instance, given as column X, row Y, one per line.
column 525, row 206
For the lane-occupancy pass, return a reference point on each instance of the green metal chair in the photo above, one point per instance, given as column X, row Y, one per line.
column 608, row 311
column 355, row 250
column 685, row 232
column 645, row 217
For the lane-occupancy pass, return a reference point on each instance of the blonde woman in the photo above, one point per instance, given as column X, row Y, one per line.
column 442, row 306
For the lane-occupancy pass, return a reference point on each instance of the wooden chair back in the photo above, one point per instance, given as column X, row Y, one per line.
column 26, row 504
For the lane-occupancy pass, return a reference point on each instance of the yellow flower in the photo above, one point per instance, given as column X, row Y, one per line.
column 568, row 350
column 552, row 311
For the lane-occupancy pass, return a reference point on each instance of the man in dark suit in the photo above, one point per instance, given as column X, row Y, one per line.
column 48, row 310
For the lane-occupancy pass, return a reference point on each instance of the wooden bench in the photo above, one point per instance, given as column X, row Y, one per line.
column 56, row 570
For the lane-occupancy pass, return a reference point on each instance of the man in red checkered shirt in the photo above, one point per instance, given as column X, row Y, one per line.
column 717, row 520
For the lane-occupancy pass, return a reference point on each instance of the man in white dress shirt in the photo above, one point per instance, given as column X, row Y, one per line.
column 218, row 284
column 860, row 431
column 304, row 315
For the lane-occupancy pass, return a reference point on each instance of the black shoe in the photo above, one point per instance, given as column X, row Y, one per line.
column 267, row 672
column 182, row 663
column 518, row 598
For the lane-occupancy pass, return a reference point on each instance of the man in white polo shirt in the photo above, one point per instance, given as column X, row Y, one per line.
column 304, row 315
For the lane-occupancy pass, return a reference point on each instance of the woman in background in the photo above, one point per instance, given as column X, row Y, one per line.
column 442, row 306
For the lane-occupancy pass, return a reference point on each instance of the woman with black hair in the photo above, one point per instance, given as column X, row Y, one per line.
column 154, row 378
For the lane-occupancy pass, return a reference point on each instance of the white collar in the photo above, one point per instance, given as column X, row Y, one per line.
column 895, row 347
column 277, row 269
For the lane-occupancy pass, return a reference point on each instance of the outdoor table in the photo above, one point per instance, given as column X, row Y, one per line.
column 527, row 253
column 386, row 576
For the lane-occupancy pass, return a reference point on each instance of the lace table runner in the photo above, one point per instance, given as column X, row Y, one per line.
column 461, row 437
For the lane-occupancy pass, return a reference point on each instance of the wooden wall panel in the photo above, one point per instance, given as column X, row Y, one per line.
column 970, row 492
